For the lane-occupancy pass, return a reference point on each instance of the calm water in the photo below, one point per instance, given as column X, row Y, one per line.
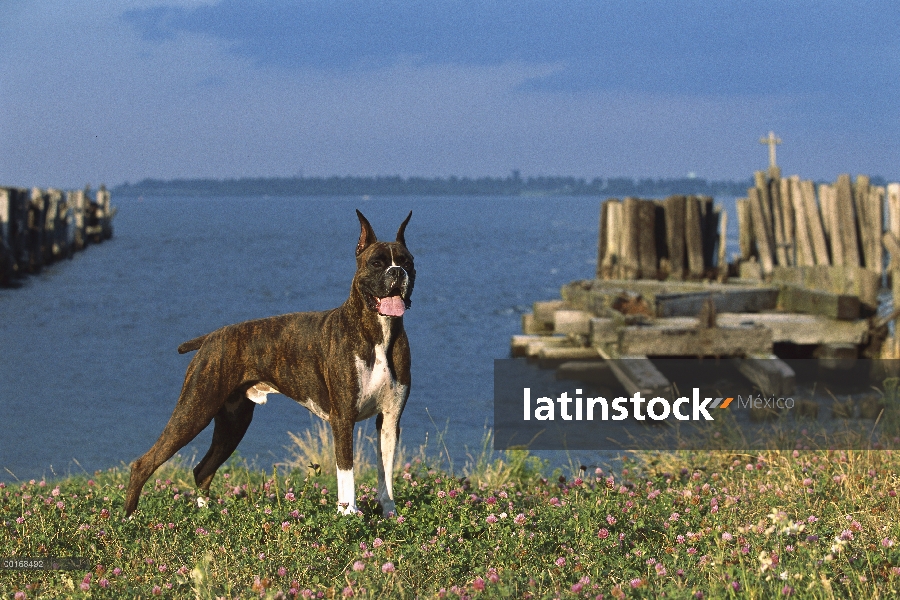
column 89, row 373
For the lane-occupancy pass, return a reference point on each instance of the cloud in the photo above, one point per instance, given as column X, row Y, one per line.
column 733, row 47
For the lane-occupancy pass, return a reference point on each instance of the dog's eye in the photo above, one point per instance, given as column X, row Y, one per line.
column 376, row 264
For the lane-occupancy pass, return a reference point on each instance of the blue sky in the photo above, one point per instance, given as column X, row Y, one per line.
column 119, row 91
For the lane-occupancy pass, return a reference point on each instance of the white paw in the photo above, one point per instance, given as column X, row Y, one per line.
column 202, row 502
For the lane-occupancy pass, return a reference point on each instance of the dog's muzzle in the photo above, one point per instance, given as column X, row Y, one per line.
column 395, row 303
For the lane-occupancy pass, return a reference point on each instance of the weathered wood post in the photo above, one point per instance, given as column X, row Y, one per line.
column 106, row 212
column 788, row 219
column 722, row 258
column 77, row 201
column 804, row 256
column 846, row 226
column 601, row 239
column 763, row 240
column 745, row 228
column 631, row 265
column 610, row 232
column 814, row 222
column 646, row 234
column 693, row 238
column 676, row 208
column 36, row 216
column 7, row 262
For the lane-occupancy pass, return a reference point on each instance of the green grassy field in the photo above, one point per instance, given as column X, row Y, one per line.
column 810, row 524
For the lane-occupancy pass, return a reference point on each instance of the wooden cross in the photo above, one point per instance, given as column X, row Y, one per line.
column 771, row 141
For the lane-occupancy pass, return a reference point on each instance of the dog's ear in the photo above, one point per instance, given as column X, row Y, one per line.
column 402, row 229
column 366, row 234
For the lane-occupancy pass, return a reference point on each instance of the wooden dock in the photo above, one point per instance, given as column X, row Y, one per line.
column 806, row 282
column 38, row 227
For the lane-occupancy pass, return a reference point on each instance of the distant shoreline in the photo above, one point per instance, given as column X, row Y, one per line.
column 514, row 185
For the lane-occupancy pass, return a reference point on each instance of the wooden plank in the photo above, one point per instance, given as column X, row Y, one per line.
column 709, row 227
column 855, row 281
column 740, row 300
column 847, row 222
column 893, row 196
column 778, row 222
column 892, row 245
column 518, row 345
column 631, row 265
column 860, row 192
column 769, row 373
column 875, row 225
column 545, row 310
column 796, row 299
column 722, row 259
column 831, row 223
column 533, row 347
column 637, row 374
column 572, row 322
column 803, row 249
column 532, row 327
column 676, row 208
column 761, row 182
column 655, row 340
column 814, row 222
column 566, row 353
column 613, row 232
column 693, row 238
column 646, row 234
column 788, row 219
column 761, row 232
column 799, row 329
column 602, row 237
column 745, row 228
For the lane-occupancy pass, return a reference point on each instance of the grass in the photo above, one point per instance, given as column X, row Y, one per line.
column 808, row 524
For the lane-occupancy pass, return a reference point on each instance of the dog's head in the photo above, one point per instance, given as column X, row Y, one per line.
column 385, row 274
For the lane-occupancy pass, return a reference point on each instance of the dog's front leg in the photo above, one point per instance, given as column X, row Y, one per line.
column 388, row 426
column 343, row 454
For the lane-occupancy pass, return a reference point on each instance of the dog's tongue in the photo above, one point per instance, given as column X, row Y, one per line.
column 391, row 306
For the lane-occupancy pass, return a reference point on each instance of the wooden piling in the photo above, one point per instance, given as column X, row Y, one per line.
column 693, row 238
column 814, row 222
column 761, row 232
column 789, row 220
column 778, row 225
column 631, row 265
column 676, row 208
column 745, row 228
column 847, row 218
column 804, row 256
column 646, row 234
column 893, row 195
column 722, row 258
column 613, row 232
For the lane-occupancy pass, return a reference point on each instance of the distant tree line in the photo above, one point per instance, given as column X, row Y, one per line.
column 513, row 185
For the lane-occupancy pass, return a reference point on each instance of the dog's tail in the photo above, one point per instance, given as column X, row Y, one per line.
column 191, row 345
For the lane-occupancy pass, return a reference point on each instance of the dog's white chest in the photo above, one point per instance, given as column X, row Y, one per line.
column 376, row 384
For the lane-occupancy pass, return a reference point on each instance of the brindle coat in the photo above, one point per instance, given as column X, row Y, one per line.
column 346, row 364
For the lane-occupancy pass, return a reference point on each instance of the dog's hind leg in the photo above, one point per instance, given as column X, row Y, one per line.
column 232, row 422
column 183, row 426
column 388, row 428
column 342, row 430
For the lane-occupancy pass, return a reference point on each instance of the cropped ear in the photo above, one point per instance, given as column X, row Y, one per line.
column 366, row 234
column 402, row 229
